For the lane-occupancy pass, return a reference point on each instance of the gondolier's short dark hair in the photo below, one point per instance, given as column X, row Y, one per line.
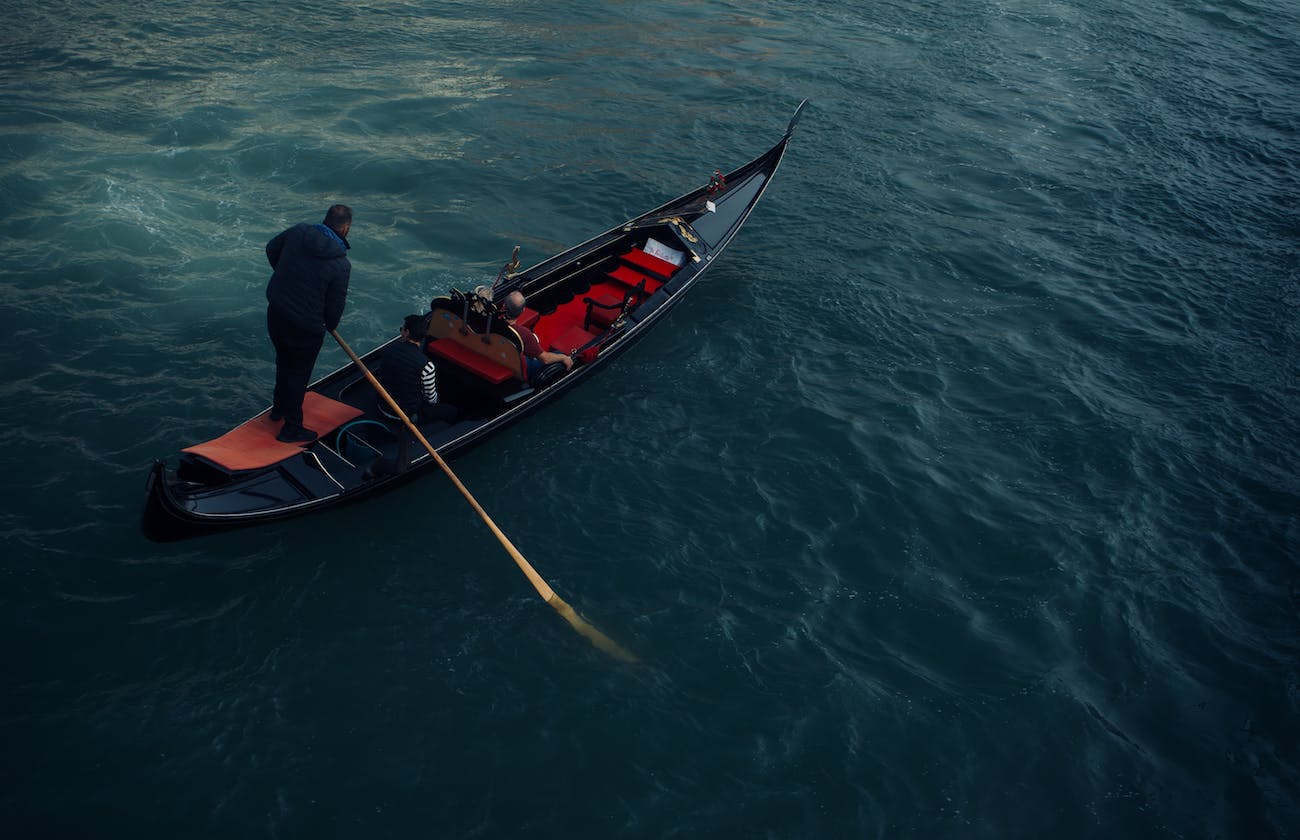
column 338, row 216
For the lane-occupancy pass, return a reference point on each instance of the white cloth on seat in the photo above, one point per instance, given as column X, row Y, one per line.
column 655, row 248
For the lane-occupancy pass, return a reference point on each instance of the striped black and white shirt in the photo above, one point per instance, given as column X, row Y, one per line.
column 409, row 376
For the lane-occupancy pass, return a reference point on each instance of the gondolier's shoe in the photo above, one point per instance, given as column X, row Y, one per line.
column 293, row 433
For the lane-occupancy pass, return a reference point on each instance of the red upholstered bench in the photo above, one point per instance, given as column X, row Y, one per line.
column 649, row 262
column 468, row 359
column 570, row 340
column 528, row 317
column 603, row 309
column 631, row 277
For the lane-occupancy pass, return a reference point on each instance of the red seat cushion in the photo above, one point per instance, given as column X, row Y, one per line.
column 632, row 278
column 528, row 317
column 649, row 262
column 570, row 340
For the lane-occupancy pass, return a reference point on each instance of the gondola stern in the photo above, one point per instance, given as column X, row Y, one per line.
column 162, row 519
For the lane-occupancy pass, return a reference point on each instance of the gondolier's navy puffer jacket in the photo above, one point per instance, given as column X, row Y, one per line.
column 309, row 286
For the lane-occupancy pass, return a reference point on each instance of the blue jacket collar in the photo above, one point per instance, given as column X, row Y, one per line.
column 329, row 231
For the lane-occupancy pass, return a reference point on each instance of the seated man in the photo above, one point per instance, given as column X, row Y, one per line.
column 537, row 358
column 411, row 378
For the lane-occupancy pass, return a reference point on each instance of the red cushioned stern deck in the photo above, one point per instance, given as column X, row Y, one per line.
column 252, row 445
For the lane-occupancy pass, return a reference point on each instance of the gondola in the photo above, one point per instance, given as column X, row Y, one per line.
column 591, row 302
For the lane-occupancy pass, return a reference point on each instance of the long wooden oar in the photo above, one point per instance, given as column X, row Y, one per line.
column 596, row 637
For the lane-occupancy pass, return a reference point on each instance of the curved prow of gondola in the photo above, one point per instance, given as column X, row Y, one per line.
column 798, row 112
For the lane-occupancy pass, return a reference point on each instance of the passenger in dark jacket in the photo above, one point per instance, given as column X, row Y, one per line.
column 306, row 297
column 411, row 378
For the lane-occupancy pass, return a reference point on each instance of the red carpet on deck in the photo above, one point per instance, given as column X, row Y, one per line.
column 253, row 444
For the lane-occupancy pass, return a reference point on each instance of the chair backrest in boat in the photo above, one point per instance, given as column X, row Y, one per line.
column 493, row 356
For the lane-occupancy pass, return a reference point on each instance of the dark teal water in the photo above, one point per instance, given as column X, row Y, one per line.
column 959, row 500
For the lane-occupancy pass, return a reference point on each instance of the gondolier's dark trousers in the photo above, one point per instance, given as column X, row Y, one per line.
column 295, row 357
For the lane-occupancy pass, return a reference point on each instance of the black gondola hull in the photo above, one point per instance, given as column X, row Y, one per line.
column 198, row 497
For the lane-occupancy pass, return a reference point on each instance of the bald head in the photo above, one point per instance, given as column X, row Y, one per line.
column 514, row 304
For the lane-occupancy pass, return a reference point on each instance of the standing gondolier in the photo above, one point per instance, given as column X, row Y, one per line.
column 306, row 296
